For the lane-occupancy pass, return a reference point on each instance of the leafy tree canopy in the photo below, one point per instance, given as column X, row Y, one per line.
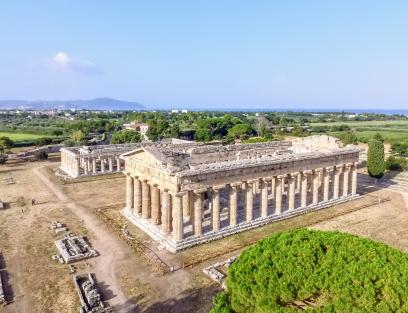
column 125, row 136
column 240, row 131
column 316, row 272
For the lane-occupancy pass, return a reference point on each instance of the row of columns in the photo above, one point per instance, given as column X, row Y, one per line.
column 170, row 210
column 100, row 165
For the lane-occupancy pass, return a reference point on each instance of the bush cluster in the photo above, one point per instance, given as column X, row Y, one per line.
column 316, row 271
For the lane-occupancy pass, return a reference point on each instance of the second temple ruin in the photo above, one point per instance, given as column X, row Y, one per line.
column 183, row 194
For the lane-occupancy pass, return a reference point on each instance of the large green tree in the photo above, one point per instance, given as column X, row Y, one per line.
column 125, row 136
column 316, row 272
column 375, row 158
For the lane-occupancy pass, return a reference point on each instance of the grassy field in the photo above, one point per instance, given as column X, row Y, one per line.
column 392, row 131
column 22, row 136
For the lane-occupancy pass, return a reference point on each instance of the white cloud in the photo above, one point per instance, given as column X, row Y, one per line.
column 63, row 62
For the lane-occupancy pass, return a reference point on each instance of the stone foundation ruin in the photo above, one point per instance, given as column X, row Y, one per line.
column 73, row 248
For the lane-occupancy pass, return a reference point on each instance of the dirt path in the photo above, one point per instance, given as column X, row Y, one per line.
column 111, row 250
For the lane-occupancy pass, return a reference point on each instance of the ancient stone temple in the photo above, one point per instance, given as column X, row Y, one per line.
column 187, row 194
column 93, row 160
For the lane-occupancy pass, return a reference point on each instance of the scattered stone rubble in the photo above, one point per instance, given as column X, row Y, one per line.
column 214, row 272
column 73, row 248
column 58, row 227
column 90, row 297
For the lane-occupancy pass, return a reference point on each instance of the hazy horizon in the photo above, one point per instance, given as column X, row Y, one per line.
column 215, row 55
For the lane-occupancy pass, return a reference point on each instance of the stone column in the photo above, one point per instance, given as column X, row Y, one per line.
column 278, row 194
column 166, row 212
column 264, row 198
column 336, row 183
column 198, row 212
column 137, row 203
column 273, row 187
column 298, row 181
column 354, row 179
column 316, row 183
column 129, row 192
column 94, row 166
column 326, row 183
column 177, row 217
column 186, row 205
column 85, row 165
column 110, row 165
column 346, row 178
column 118, row 165
column 303, row 187
column 216, row 207
column 292, row 190
column 102, row 165
column 155, row 204
column 233, row 206
column 146, row 208
column 249, row 201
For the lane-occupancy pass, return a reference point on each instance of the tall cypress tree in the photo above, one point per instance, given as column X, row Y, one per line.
column 375, row 158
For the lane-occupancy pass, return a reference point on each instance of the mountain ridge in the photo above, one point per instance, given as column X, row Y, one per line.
column 104, row 103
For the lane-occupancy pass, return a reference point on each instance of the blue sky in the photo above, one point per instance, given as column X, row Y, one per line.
column 208, row 54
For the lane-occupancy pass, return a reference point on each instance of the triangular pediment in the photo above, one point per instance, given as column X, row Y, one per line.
column 145, row 155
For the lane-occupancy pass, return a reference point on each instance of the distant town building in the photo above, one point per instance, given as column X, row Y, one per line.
column 184, row 111
column 174, row 111
column 142, row 128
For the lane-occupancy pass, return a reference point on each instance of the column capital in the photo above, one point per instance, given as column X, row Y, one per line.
column 348, row 165
column 267, row 179
column 280, row 176
column 218, row 187
column 329, row 168
column 339, row 168
column 318, row 170
column 177, row 194
column 307, row 172
column 252, row 181
column 199, row 191
column 294, row 174
column 235, row 185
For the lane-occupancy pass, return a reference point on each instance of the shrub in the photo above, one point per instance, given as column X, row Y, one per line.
column 349, row 138
column 394, row 163
column 375, row 158
column 3, row 158
column 317, row 272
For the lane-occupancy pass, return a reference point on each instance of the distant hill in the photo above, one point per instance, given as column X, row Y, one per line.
column 94, row 104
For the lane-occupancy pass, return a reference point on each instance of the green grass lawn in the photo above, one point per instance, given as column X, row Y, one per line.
column 22, row 136
column 392, row 131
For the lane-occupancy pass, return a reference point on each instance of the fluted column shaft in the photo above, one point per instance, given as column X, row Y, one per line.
column 264, row 198
column 198, row 212
column 129, row 192
column 186, row 205
column 155, row 196
column 137, row 202
column 316, row 183
column 118, row 165
column 102, row 161
column 233, row 205
column 177, row 217
column 216, row 209
column 94, row 166
column 326, row 184
column 249, row 202
column 166, row 212
column 278, row 195
column 110, row 165
column 291, row 191
column 303, row 191
column 346, row 177
column 146, row 207
column 336, row 183
column 354, row 179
